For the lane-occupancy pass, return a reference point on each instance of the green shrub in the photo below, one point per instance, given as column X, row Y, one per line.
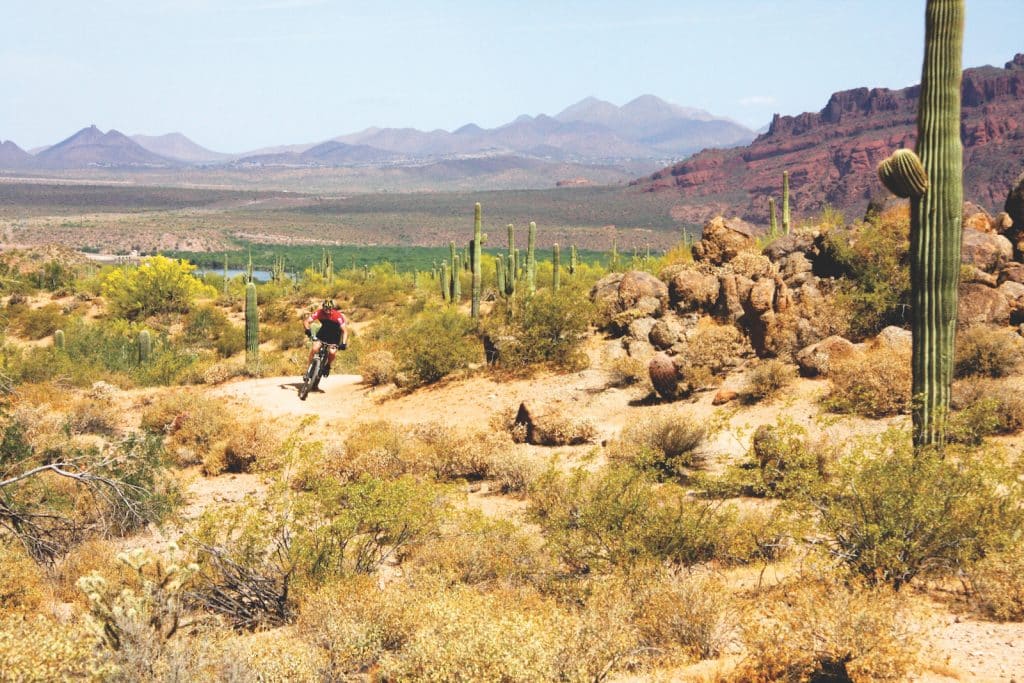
column 158, row 285
column 984, row 407
column 767, row 379
column 997, row 583
column 874, row 258
column 788, row 463
column 892, row 514
column 436, row 343
column 615, row 517
column 988, row 351
column 37, row 323
column 547, row 327
column 873, row 384
column 208, row 327
column 664, row 442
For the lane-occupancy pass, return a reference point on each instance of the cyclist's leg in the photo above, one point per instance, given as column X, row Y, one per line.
column 312, row 351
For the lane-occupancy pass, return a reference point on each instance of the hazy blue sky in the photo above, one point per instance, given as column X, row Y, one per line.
column 239, row 74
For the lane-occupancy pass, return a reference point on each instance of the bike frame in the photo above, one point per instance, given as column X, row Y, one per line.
column 315, row 370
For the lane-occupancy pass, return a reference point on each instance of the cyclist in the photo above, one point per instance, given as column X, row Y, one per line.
column 333, row 330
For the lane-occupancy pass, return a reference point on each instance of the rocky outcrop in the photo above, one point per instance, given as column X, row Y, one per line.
column 625, row 297
column 723, row 239
column 831, row 155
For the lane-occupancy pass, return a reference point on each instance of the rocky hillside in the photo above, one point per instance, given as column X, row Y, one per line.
column 91, row 147
column 831, row 155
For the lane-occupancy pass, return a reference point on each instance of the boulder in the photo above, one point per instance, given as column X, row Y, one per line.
column 605, row 291
column 971, row 273
column 724, row 238
column 817, row 359
column 664, row 334
column 979, row 304
column 692, row 290
column 977, row 218
column 1012, row 272
column 637, row 286
column 1002, row 222
column 808, row 244
column 794, row 265
column 985, row 251
column 639, row 348
column 729, row 305
column 762, row 295
column 894, row 339
column 752, row 265
column 641, row 328
column 724, row 396
column 1013, row 291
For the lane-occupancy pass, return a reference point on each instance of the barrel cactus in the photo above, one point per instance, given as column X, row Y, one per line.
column 58, row 340
column 664, row 376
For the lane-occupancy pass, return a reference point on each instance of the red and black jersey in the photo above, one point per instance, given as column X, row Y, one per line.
column 331, row 323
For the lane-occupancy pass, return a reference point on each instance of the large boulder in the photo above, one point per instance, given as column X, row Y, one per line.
column 977, row 218
column 723, row 239
column 984, row 250
column 762, row 295
column 818, row 359
column 894, row 339
column 625, row 297
column 808, row 244
column 664, row 334
column 692, row 290
column 979, row 304
column 1012, row 272
column 641, row 328
column 729, row 303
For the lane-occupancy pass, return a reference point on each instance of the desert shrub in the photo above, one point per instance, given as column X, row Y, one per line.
column 997, row 582
column 462, row 634
column 988, row 351
column 37, row 323
column 379, row 449
column 690, row 613
column 436, row 343
column 788, row 462
column 892, row 514
column 547, row 327
column 377, row 367
column 23, row 585
column 550, row 425
column 627, row 371
column 192, row 424
column 477, row 550
column 828, row 630
column 984, row 407
column 452, row 453
column 615, row 517
column 710, row 349
column 873, row 256
column 664, row 442
column 513, row 471
column 158, row 285
column 91, row 416
column 767, row 379
column 875, row 384
column 209, row 327
column 247, row 443
column 35, row 649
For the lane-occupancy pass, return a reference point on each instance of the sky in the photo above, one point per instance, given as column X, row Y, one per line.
column 237, row 75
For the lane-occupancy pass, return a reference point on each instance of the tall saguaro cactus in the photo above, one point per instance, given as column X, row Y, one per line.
column 785, row 202
column 774, row 229
column 252, row 327
column 446, row 284
column 499, row 271
column 475, row 256
column 145, row 346
column 531, row 259
column 933, row 180
column 555, row 267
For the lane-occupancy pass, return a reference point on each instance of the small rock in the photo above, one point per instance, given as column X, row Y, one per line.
column 724, row 396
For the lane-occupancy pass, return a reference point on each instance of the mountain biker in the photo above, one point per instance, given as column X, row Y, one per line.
column 333, row 330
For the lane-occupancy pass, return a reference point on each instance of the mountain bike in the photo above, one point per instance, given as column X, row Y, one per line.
column 311, row 380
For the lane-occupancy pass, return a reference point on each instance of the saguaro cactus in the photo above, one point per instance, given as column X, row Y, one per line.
column 933, row 180
column 145, row 346
column 785, row 202
column 531, row 259
column 476, row 255
column 456, row 282
column 252, row 327
column 446, row 282
column 774, row 229
column 573, row 259
column 555, row 267
column 499, row 270
column 58, row 340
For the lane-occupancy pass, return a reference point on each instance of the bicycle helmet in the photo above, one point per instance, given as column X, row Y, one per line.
column 328, row 305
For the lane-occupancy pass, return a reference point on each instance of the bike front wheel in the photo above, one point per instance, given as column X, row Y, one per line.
column 312, row 379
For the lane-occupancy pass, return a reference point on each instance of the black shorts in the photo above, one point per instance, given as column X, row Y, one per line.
column 329, row 333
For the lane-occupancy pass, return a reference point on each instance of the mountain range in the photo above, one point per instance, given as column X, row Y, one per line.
column 589, row 132
column 831, row 155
